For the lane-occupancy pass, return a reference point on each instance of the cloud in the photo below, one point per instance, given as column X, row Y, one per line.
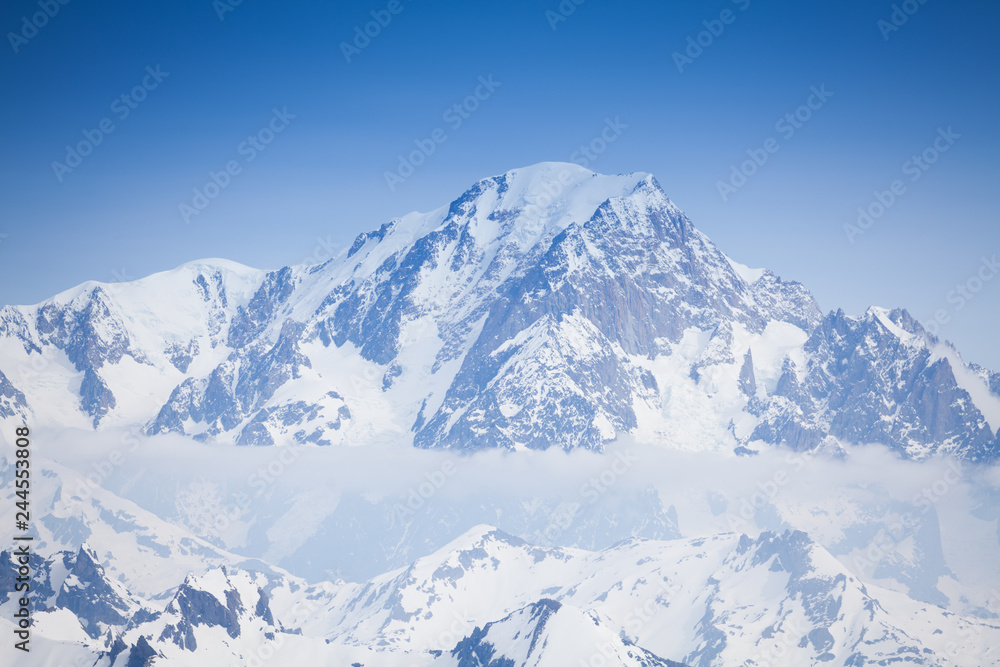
column 900, row 523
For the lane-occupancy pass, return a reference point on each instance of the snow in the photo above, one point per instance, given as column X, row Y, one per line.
column 882, row 314
column 748, row 275
column 482, row 576
column 60, row 625
column 214, row 582
column 688, row 419
column 780, row 339
column 986, row 401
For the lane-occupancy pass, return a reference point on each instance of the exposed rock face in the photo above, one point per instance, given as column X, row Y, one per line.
column 545, row 307
column 90, row 330
column 12, row 400
column 250, row 321
column 216, row 600
column 76, row 581
column 488, row 598
column 197, row 607
column 88, row 593
column 96, row 398
column 876, row 379
column 237, row 388
column 537, row 645
column 42, row 581
column 142, row 654
column 748, row 381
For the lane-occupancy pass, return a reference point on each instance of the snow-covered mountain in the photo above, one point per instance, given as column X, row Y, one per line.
column 548, row 306
column 491, row 599
column 548, row 633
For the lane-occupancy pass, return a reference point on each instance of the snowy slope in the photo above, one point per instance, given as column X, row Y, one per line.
column 548, row 634
column 548, row 306
column 723, row 601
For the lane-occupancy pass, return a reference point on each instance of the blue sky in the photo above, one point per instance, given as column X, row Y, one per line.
column 894, row 92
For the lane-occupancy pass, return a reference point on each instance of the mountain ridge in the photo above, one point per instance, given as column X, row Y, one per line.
column 489, row 598
column 435, row 329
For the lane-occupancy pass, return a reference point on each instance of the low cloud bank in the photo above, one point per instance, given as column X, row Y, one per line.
column 928, row 528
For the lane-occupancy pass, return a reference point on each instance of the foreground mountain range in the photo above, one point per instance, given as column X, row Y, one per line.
column 547, row 307
column 491, row 599
column 115, row 585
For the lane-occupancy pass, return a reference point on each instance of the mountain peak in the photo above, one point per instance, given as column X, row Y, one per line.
column 479, row 536
column 537, row 309
column 528, row 204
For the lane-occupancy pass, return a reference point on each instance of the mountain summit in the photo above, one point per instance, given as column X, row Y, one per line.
column 547, row 306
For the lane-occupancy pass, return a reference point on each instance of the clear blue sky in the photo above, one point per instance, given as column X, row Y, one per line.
column 323, row 175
